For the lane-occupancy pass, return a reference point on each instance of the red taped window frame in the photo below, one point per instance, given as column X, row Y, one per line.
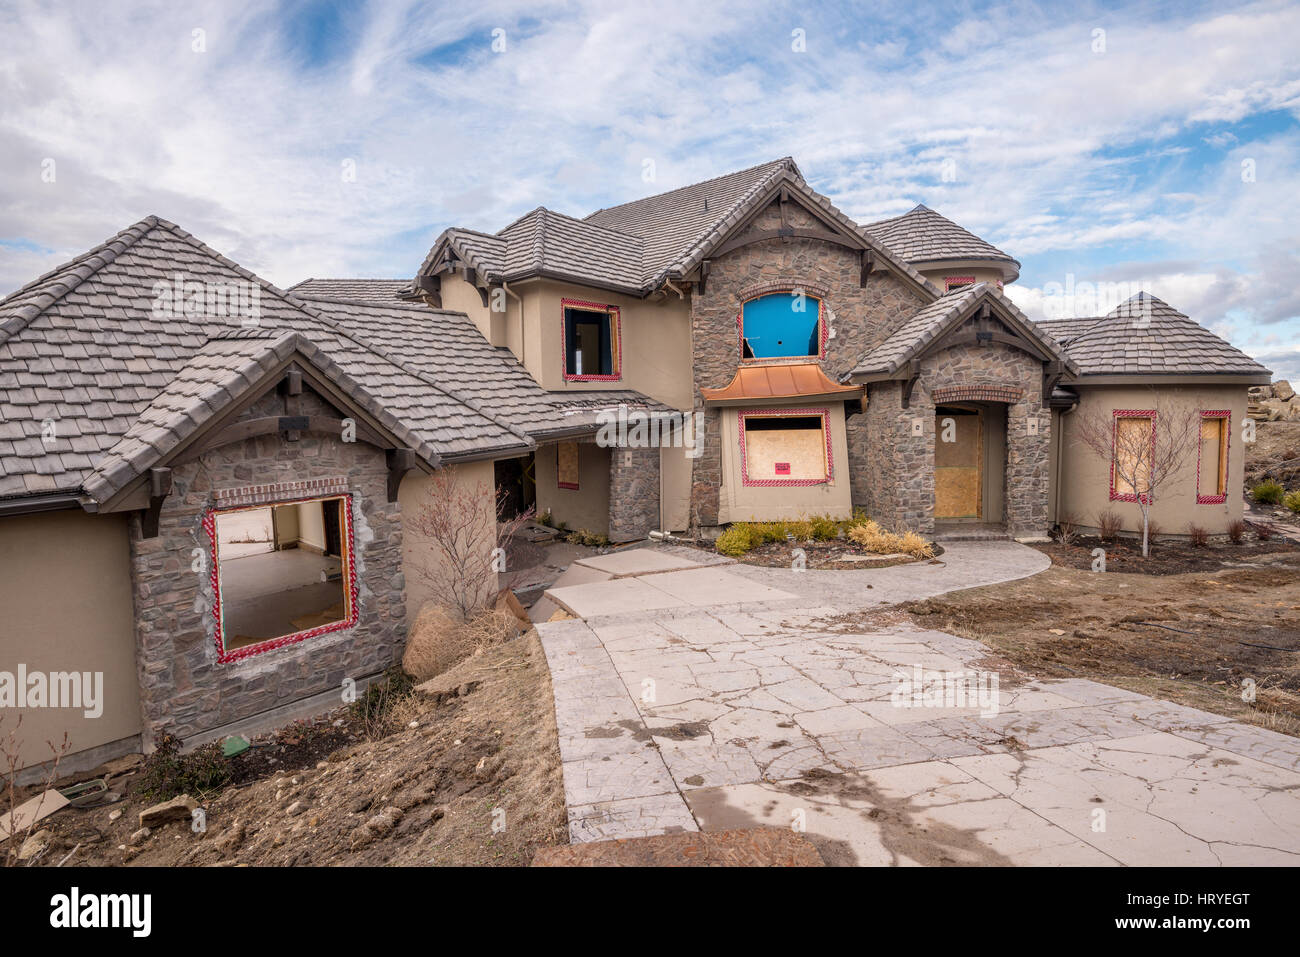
column 1225, row 416
column 616, row 340
column 1115, row 494
column 350, row 590
column 748, row 482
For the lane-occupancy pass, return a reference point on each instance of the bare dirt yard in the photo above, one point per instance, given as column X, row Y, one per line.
column 1192, row 638
column 465, row 771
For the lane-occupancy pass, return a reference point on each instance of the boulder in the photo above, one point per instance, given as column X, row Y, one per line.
column 177, row 809
column 1282, row 390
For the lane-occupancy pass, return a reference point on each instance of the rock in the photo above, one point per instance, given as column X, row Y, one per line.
column 297, row 807
column 114, row 815
column 177, row 809
column 1282, row 390
column 231, row 839
column 139, row 837
column 35, row 844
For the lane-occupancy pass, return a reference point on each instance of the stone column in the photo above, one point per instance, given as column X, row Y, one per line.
column 633, row 493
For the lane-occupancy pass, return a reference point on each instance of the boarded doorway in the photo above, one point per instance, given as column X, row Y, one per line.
column 958, row 463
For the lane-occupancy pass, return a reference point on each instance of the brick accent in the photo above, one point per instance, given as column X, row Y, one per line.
column 280, row 492
column 633, row 493
column 183, row 687
column 976, row 393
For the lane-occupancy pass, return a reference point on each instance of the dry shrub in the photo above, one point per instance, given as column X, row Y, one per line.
column 870, row 536
column 1198, row 536
column 1067, row 528
column 1263, row 531
column 1108, row 525
column 1236, row 531
column 439, row 639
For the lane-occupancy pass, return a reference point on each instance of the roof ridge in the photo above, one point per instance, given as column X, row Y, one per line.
column 107, row 252
column 514, row 222
column 305, row 307
column 702, row 238
column 785, row 161
column 375, row 304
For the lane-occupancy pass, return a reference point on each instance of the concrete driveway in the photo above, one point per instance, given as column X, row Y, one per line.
column 721, row 696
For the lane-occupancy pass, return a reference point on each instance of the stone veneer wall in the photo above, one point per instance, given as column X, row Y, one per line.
column 633, row 493
column 183, row 688
column 860, row 316
column 899, row 490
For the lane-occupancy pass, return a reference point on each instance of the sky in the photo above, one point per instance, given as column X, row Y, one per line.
column 1108, row 147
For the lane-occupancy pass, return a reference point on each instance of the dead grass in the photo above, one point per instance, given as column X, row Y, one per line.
column 439, row 640
column 477, row 781
column 1190, row 638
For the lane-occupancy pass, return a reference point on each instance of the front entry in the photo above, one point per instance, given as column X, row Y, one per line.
column 958, row 463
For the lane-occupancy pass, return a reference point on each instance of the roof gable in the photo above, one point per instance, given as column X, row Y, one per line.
column 224, row 375
column 929, row 324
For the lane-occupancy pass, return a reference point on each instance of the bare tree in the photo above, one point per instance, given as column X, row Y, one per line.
column 467, row 542
column 1144, row 456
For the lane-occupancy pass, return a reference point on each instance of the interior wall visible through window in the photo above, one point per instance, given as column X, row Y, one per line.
column 591, row 341
column 283, row 573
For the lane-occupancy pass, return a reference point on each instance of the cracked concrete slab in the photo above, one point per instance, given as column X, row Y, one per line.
column 699, row 715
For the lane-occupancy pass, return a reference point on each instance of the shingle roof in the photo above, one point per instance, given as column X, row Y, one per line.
column 358, row 290
column 1147, row 336
column 922, row 235
column 85, row 350
column 931, row 321
column 635, row 246
column 447, row 348
column 220, row 373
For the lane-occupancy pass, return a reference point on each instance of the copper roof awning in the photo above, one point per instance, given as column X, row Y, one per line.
column 767, row 383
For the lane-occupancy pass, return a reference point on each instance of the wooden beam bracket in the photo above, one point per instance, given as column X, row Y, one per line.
column 160, row 486
column 913, row 374
column 400, row 461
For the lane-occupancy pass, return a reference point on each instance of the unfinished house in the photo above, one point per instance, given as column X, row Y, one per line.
column 204, row 478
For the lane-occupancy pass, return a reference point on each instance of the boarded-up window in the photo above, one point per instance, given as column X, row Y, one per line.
column 1131, row 462
column 566, row 465
column 784, row 449
column 1212, row 466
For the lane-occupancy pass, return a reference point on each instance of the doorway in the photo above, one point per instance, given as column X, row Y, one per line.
column 958, row 463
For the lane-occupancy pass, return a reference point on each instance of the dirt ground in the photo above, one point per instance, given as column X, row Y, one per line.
column 1191, row 638
column 1275, row 443
column 477, row 781
column 1168, row 556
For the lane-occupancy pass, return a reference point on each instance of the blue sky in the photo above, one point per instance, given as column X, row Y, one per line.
column 1149, row 145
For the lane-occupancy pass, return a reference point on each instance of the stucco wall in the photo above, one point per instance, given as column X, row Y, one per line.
column 1085, row 476
column 744, row 503
column 587, row 506
column 183, row 687
column 655, row 342
column 420, row 558
column 65, row 591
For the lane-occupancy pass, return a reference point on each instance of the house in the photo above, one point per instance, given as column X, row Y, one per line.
column 204, row 479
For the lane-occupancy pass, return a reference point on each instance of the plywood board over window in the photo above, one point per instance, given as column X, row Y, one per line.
column 785, row 448
column 1131, row 454
column 566, row 465
column 1212, row 461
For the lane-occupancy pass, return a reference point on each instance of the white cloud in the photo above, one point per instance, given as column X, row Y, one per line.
column 1059, row 151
